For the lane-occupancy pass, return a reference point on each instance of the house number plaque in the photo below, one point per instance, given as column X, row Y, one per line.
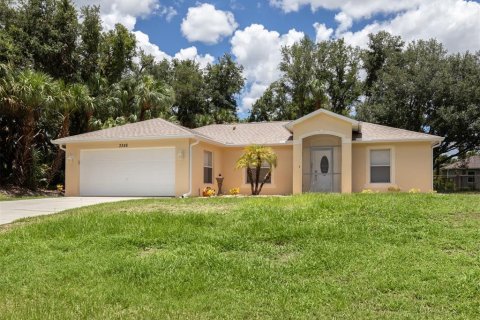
column 123, row 145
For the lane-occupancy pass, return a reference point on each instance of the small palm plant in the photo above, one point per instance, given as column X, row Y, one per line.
column 255, row 158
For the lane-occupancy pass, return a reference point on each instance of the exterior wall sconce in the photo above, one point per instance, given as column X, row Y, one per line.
column 181, row 154
column 70, row 157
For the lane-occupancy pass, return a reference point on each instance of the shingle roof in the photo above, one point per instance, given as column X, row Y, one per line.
column 375, row 132
column 247, row 133
column 472, row 162
column 235, row 134
column 148, row 129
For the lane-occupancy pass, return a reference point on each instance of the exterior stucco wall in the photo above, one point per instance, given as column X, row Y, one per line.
column 411, row 166
column 72, row 166
column 322, row 124
column 197, row 166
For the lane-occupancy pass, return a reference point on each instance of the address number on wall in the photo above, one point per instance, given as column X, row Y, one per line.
column 123, row 145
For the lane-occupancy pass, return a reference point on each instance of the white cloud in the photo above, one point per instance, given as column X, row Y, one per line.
column 455, row 23
column 322, row 32
column 167, row 12
column 352, row 8
column 191, row 53
column 206, row 24
column 345, row 22
column 258, row 51
column 143, row 42
column 122, row 11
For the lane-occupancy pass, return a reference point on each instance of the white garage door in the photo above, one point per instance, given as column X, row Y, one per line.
column 127, row 172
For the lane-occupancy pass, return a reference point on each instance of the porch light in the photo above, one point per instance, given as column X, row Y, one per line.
column 70, row 157
column 181, row 154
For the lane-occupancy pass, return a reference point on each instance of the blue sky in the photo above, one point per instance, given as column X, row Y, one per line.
column 253, row 31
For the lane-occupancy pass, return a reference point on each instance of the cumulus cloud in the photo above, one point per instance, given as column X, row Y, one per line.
column 191, row 53
column 351, row 8
column 258, row 51
column 143, row 42
column 455, row 23
column 122, row 11
column 322, row 33
column 206, row 24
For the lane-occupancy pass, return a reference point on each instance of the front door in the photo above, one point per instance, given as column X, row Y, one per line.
column 321, row 170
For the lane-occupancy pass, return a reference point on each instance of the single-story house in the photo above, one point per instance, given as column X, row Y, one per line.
column 320, row 152
column 464, row 173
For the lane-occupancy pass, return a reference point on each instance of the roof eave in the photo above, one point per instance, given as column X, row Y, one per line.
column 147, row 138
column 428, row 139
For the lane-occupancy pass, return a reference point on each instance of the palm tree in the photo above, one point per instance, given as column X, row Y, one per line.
column 253, row 159
column 70, row 98
column 26, row 94
column 152, row 95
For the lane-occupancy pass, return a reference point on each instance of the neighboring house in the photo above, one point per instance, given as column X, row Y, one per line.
column 465, row 174
column 320, row 152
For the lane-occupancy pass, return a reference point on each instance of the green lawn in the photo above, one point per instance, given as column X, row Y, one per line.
column 364, row 256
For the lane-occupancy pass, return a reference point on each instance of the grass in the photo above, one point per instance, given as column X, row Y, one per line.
column 364, row 256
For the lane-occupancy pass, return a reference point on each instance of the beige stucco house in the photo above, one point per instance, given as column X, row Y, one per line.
column 320, row 152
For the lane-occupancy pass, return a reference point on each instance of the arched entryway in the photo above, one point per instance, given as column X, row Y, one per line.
column 322, row 163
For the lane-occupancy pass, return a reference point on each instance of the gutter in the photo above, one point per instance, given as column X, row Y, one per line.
column 185, row 195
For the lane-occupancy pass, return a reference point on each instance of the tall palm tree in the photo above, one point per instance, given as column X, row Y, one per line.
column 254, row 159
column 26, row 94
column 70, row 98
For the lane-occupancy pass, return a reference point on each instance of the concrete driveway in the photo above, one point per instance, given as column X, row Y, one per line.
column 17, row 209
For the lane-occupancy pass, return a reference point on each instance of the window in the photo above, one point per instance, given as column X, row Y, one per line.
column 207, row 167
column 471, row 177
column 380, row 166
column 263, row 171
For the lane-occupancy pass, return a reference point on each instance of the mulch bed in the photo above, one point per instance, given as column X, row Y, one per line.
column 15, row 191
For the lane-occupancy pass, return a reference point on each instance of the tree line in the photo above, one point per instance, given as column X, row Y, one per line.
column 417, row 86
column 62, row 73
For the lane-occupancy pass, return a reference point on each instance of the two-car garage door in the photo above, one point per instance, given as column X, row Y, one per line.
column 127, row 172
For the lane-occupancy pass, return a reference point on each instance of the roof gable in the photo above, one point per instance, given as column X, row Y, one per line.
column 291, row 124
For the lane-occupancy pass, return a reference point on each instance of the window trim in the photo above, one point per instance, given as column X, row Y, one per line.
column 266, row 185
column 211, row 167
column 392, row 166
column 471, row 175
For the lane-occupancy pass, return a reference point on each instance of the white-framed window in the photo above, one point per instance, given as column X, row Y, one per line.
column 207, row 167
column 263, row 171
column 380, row 166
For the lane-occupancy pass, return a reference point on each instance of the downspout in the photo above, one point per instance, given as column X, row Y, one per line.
column 190, row 169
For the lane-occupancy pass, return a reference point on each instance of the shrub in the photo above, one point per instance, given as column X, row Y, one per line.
column 208, row 192
column 368, row 191
column 393, row 189
column 234, row 191
column 414, row 190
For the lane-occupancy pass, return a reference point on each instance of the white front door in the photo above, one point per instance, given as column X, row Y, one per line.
column 321, row 170
column 127, row 172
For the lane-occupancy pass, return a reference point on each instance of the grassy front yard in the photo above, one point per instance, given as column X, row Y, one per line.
column 311, row 256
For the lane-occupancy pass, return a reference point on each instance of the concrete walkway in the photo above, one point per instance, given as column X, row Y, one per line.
column 17, row 209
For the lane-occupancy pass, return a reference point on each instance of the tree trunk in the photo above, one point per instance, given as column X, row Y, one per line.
column 257, row 176
column 24, row 157
column 249, row 174
column 57, row 162
column 267, row 176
